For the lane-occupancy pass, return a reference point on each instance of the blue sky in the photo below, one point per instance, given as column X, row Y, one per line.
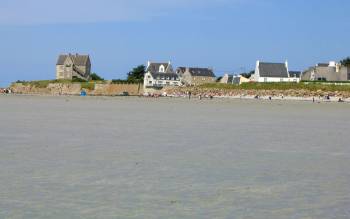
column 228, row 35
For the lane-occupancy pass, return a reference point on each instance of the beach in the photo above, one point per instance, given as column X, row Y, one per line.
column 132, row 157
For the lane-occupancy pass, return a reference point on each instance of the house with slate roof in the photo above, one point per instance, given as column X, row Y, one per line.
column 274, row 72
column 73, row 66
column 160, row 75
column 196, row 76
column 331, row 71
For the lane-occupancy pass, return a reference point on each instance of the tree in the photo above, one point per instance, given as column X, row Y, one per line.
column 96, row 77
column 248, row 75
column 137, row 74
column 346, row 62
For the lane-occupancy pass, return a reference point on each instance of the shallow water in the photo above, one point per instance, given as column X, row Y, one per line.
column 73, row 157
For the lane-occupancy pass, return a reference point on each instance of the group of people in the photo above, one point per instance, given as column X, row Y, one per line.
column 6, row 91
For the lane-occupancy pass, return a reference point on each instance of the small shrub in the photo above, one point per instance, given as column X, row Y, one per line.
column 88, row 85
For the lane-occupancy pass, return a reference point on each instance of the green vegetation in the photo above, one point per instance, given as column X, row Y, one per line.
column 279, row 86
column 96, row 77
column 75, row 79
column 121, row 81
column 88, row 85
column 44, row 83
column 137, row 74
column 219, row 79
column 248, row 75
column 346, row 62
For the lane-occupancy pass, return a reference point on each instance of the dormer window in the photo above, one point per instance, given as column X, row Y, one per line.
column 161, row 69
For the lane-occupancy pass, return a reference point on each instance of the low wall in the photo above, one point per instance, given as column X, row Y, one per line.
column 196, row 91
column 115, row 89
column 51, row 89
column 76, row 88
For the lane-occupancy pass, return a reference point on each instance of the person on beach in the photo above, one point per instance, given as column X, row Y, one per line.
column 313, row 99
column 270, row 98
column 189, row 95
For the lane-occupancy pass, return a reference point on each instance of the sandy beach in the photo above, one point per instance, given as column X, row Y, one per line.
column 131, row 157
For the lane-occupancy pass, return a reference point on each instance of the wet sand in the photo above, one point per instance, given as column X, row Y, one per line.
column 125, row 157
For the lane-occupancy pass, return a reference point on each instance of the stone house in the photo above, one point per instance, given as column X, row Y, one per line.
column 331, row 71
column 160, row 75
column 196, row 76
column 274, row 72
column 234, row 79
column 73, row 66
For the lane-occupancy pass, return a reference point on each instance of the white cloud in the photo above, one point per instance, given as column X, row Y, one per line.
column 85, row 11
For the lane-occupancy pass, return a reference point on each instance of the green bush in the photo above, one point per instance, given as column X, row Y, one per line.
column 88, row 85
column 96, row 77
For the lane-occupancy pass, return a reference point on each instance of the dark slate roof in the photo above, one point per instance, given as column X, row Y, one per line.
column 181, row 70
column 322, row 64
column 79, row 60
column 160, row 74
column 277, row 70
column 295, row 74
column 205, row 72
column 154, row 67
column 61, row 59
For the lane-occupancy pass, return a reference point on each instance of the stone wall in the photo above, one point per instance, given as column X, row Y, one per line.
column 196, row 91
column 115, row 89
column 51, row 89
column 76, row 88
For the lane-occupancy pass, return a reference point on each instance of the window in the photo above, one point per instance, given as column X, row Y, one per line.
column 265, row 79
column 281, row 79
column 149, row 76
column 167, row 83
column 161, row 69
column 150, row 82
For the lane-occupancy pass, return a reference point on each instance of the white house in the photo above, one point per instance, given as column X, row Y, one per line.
column 160, row 75
column 273, row 72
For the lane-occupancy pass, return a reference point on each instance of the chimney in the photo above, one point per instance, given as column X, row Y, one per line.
column 337, row 67
column 332, row 64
